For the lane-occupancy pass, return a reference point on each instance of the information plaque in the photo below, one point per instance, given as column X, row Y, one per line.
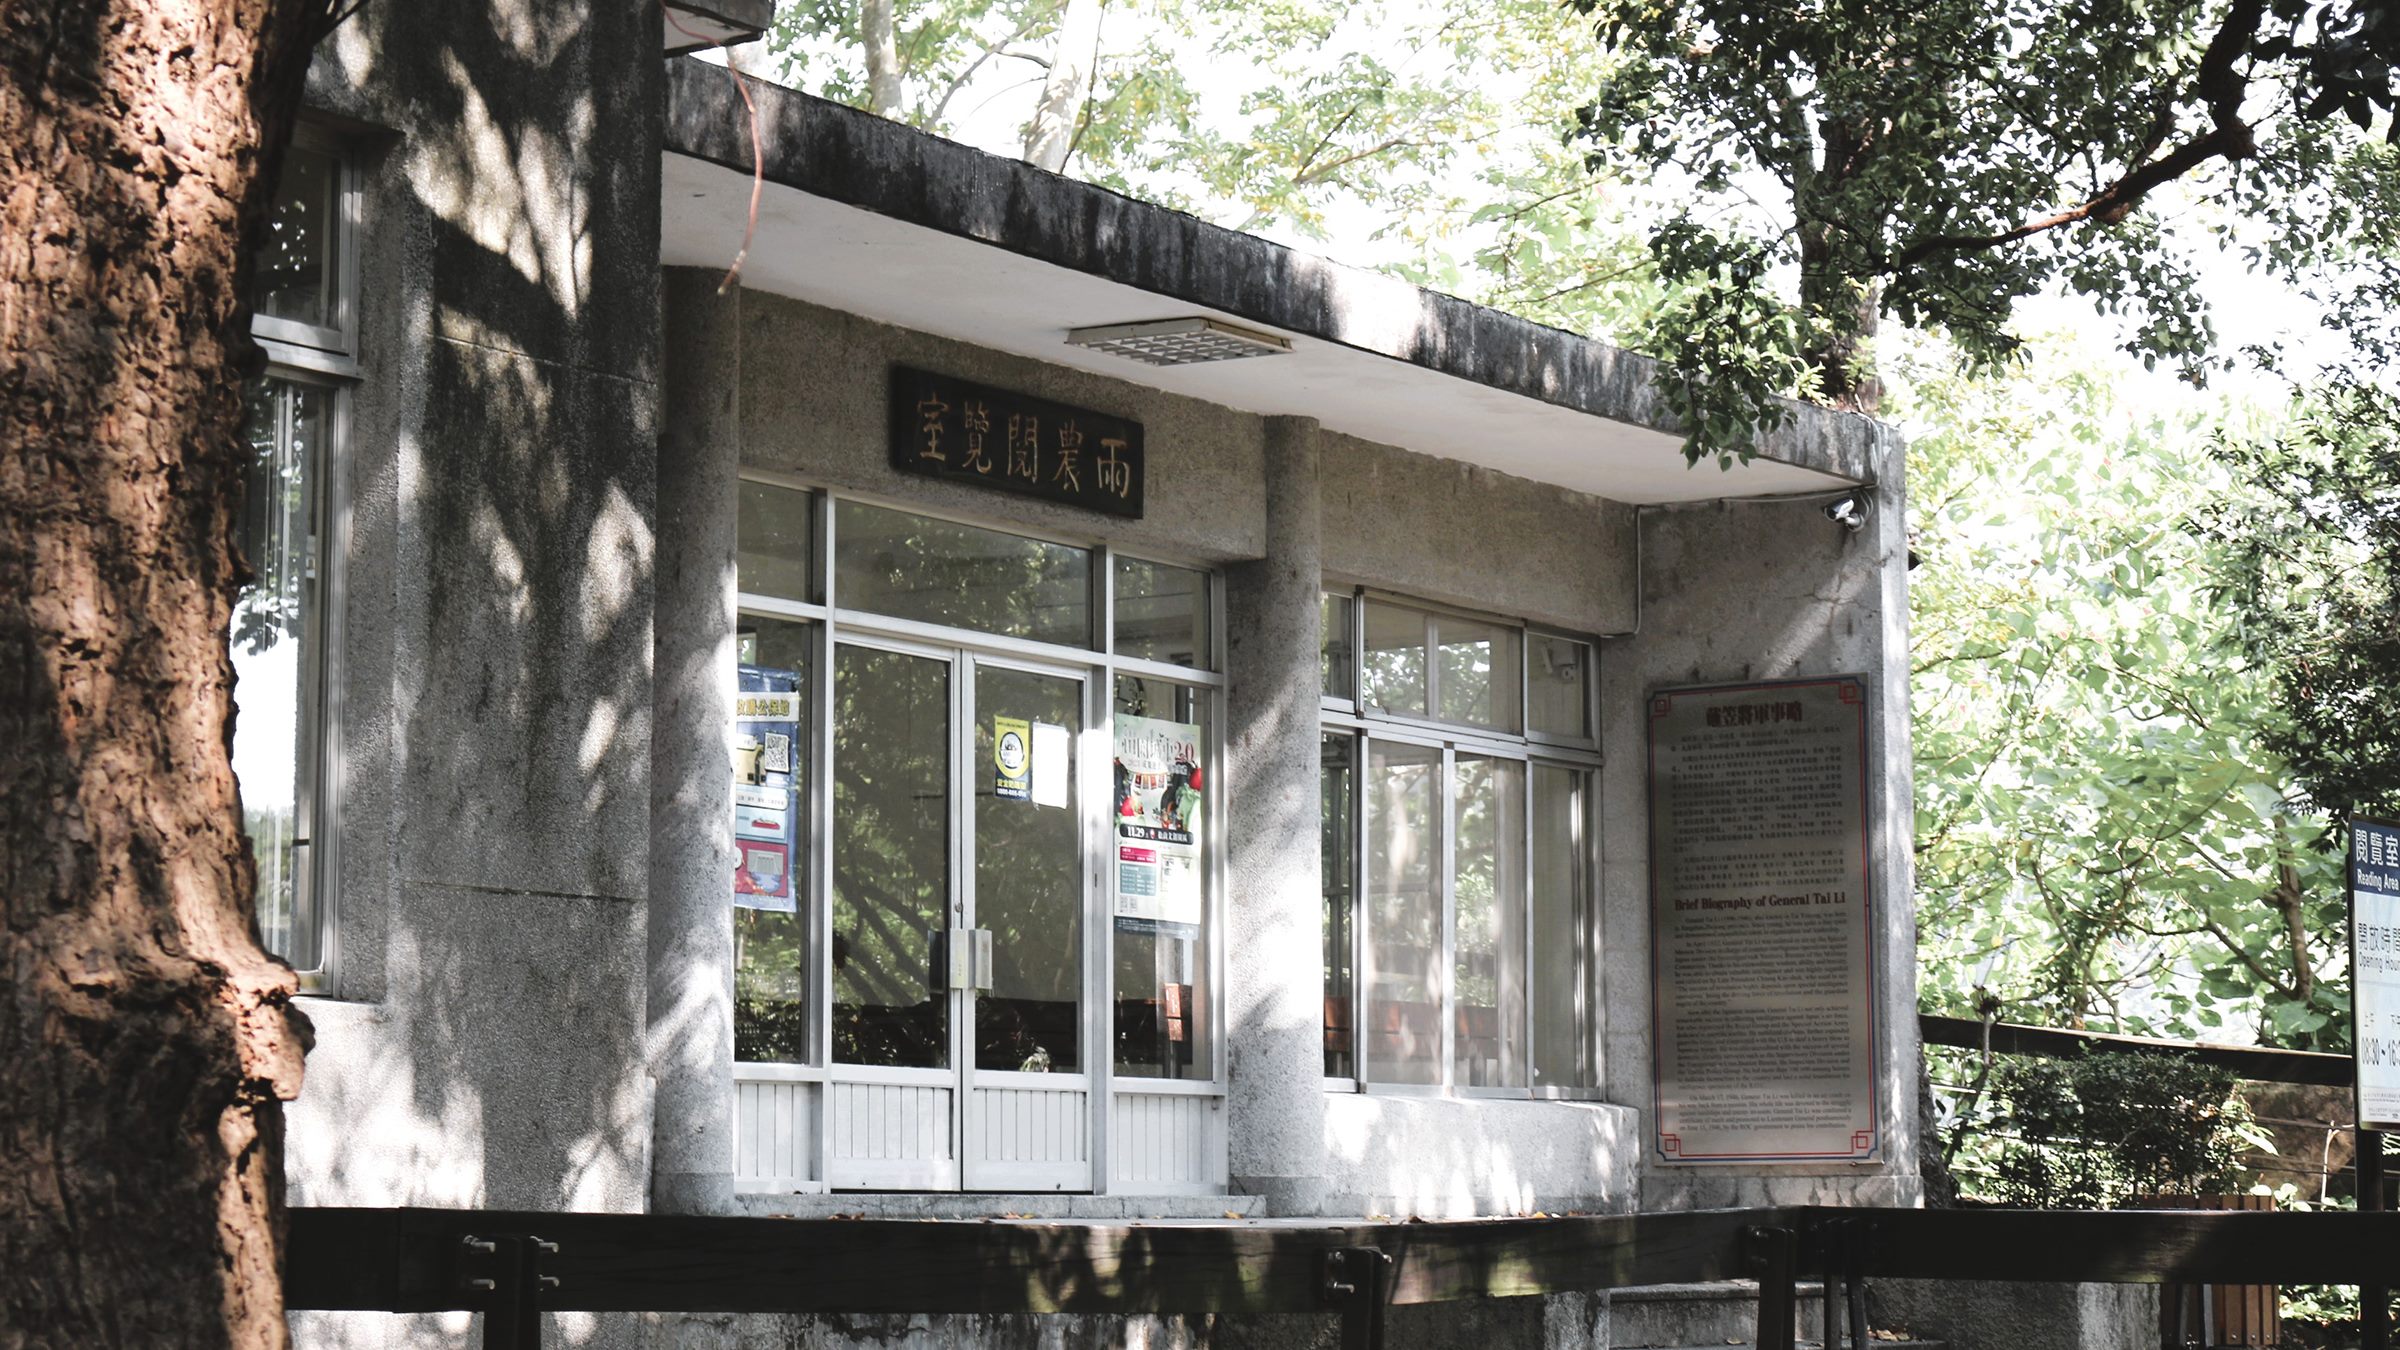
column 1762, row 952
column 2375, row 970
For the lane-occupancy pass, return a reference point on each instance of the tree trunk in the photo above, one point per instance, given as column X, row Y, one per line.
column 1052, row 135
column 875, row 32
column 148, row 1040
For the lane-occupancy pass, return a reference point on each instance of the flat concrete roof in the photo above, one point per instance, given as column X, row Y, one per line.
column 871, row 217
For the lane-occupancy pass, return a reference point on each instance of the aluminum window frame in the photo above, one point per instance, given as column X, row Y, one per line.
column 1367, row 723
column 326, row 358
column 1100, row 667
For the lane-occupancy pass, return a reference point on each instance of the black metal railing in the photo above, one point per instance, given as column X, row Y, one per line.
column 513, row 1266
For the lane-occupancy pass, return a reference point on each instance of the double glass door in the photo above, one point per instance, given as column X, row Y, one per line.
column 961, row 880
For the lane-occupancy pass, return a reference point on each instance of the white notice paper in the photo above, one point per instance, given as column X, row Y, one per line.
column 1050, row 760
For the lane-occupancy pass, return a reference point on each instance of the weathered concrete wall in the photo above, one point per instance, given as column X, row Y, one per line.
column 1991, row 1315
column 1445, row 530
column 1453, row 1158
column 814, row 403
column 1756, row 590
column 485, row 1045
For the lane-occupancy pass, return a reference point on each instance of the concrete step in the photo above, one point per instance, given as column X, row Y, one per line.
column 1718, row 1313
column 979, row 1205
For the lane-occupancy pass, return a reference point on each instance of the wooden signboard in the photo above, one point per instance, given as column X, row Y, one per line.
column 960, row 431
column 1762, row 924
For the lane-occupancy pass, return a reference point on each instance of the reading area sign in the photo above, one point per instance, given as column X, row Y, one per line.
column 2375, row 969
column 1762, row 905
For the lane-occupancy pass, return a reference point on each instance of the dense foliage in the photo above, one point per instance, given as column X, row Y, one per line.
column 1942, row 162
column 2103, row 1131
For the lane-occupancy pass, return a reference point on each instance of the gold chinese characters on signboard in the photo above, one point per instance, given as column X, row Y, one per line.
column 960, row 431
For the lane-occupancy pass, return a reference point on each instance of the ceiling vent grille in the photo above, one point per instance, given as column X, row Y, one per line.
column 1179, row 342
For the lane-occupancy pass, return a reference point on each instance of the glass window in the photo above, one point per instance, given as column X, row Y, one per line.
column 1163, row 992
column 775, row 545
column 891, row 858
column 1029, row 868
column 295, row 269
column 275, row 644
column 961, row 576
column 1487, row 880
column 1477, row 677
column 1162, row 613
column 1565, row 1009
column 1404, row 913
column 771, row 781
column 1338, row 661
column 284, row 620
column 1396, row 668
column 1558, row 682
column 1337, row 814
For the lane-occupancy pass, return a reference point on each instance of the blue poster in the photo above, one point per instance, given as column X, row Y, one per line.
column 766, row 739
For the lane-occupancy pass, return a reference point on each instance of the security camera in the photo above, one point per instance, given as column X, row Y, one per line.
column 1850, row 512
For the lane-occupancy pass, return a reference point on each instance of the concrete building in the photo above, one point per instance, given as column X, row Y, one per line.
column 691, row 783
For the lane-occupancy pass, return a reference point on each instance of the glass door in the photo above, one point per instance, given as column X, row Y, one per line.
column 960, row 887
column 1027, row 1120
column 892, row 1098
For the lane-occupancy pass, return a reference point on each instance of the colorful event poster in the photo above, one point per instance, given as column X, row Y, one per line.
column 766, row 732
column 1159, row 793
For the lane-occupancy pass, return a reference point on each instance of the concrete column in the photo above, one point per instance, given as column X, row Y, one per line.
column 1275, row 983
column 690, row 1014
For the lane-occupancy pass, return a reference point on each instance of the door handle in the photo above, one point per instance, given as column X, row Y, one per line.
column 983, row 959
column 958, row 958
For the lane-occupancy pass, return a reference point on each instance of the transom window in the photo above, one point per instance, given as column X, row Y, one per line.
column 1458, row 762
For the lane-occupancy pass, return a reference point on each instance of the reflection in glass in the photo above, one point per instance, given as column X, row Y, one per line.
column 770, row 950
column 1162, row 1023
column 1337, row 814
column 1029, row 885
column 961, row 576
column 1404, row 913
column 292, row 268
column 1162, row 613
column 1478, row 676
column 274, row 662
column 1564, row 1009
column 891, row 852
column 773, row 549
column 1558, row 684
column 1488, row 975
column 1395, row 660
column 1338, row 662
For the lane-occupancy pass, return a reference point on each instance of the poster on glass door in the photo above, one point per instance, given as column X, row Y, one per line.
column 766, row 734
column 1159, row 791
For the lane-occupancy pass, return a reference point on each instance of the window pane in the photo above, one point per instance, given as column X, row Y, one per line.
column 1404, row 913
column 1162, row 613
column 770, row 936
column 773, row 552
column 293, row 268
column 1489, row 972
column 274, row 662
column 1163, row 993
column 1338, row 661
column 961, row 576
column 1559, row 686
column 1479, row 672
column 1395, row 659
column 1337, row 813
column 1564, row 1010
column 1029, row 870
column 891, row 858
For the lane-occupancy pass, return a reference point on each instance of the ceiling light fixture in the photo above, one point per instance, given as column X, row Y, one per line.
column 1179, row 342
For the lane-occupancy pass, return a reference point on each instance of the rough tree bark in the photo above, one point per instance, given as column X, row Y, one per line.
column 148, row 1042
